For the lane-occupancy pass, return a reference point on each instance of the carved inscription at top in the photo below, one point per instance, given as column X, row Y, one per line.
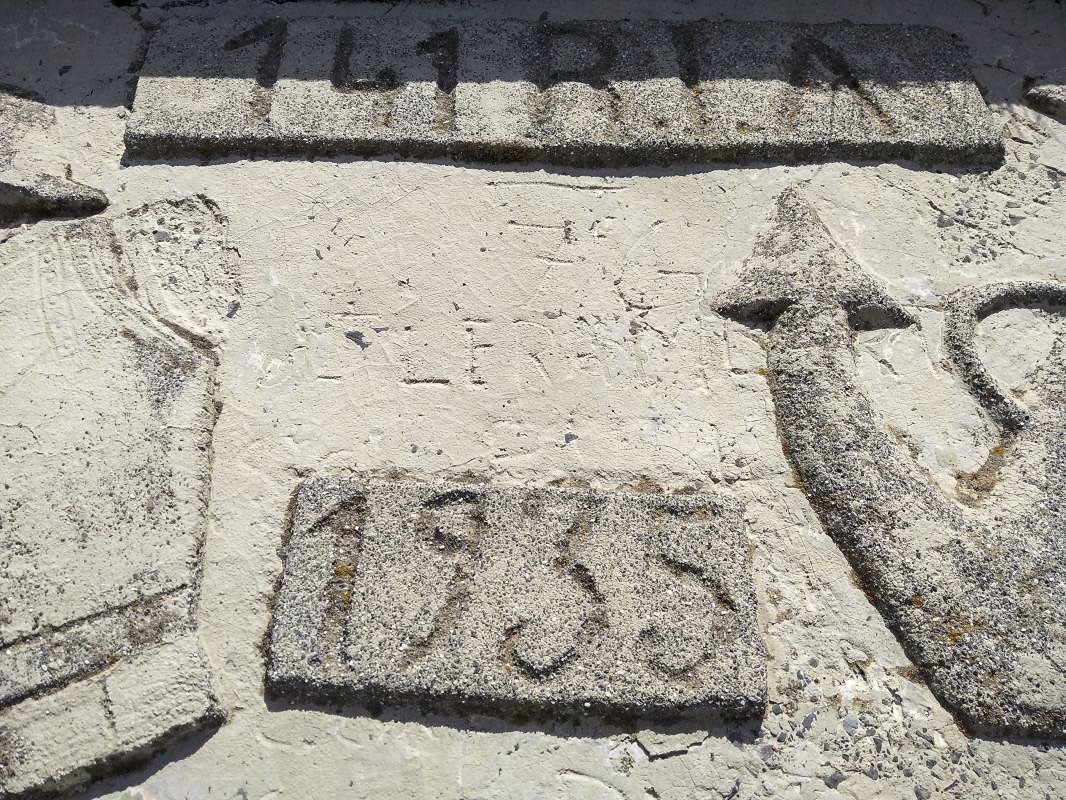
column 517, row 599
column 583, row 92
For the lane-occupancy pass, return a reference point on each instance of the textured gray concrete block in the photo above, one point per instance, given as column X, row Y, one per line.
column 514, row 600
column 975, row 584
column 47, row 196
column 579, row 92
column 105, row 468
column 1048, row 97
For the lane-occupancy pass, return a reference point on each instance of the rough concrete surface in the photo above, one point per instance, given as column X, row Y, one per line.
column 529, row 323
column 588, row 92
column 106, row 483
column 518, row 600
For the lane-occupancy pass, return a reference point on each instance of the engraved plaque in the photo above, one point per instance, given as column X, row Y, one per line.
column 580, row 92
column 516, row 599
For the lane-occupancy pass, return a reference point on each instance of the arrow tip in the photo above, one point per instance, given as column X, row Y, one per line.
column 796, row 260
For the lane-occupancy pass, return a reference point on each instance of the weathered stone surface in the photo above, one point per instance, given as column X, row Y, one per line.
column 105, row 486
column 580, row 92
column 975, row 585
column 558, row 313
column 57, row 741
column 518, row 599
column 18, row 114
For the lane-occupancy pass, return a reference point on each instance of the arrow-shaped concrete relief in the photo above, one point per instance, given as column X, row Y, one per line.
column 976, row 591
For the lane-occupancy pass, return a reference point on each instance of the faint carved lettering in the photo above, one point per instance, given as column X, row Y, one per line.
column 345, row 527
column 809, row 50
column 582, row 38
column 540, row 647
column 453, row 522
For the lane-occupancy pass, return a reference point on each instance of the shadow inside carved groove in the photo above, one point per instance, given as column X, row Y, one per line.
column 555, row 639
column 345, row 527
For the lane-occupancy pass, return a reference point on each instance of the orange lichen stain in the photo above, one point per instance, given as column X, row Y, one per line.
column 910, row 673
column 973, row 487
column 955, row 629
column 857, row 582
column 571, row 482
column 645, row 485
column 344, row 570
column 861, row 704
column 695, row 515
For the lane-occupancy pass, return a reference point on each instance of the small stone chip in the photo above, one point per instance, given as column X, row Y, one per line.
column 1048, row 98
column 513, row 599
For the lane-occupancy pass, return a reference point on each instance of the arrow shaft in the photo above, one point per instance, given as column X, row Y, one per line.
column 933, row 571
column 873, row 500
column 851, row 469
column 974, row 594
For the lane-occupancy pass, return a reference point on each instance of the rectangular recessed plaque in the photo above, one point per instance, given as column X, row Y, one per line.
column 106, row 472
column 578, row 92
column 515, row 599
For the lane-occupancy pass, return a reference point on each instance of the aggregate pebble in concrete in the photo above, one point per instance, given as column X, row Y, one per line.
column 974, row 585
column 512, row 599
column 575, row 92
column 105, row 487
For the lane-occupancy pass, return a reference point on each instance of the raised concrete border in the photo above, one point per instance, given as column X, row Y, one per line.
column 517, row 600
column 586, row 93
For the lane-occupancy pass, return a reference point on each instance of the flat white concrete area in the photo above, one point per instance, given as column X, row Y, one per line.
column 242, row 321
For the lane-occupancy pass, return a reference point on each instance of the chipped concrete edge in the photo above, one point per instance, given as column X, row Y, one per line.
column 79, row 778
column 47, row 196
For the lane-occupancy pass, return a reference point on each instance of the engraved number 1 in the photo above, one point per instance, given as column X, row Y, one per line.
column 273, row 32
